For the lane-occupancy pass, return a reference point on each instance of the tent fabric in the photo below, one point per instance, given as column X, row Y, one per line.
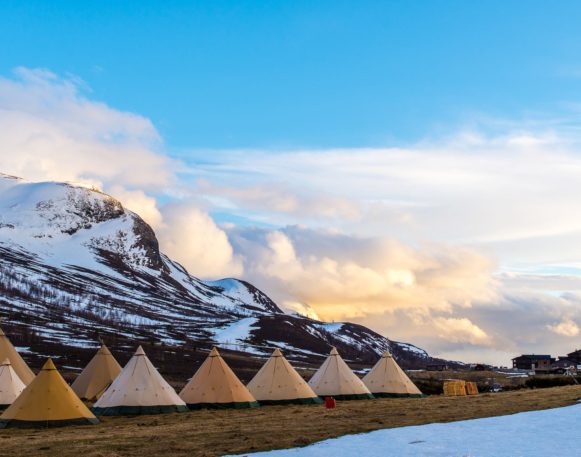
column 97, row 376
column 11, row 386
column 387, row 379
column 47, row 401
column 335, row 379
column 138, row 389
column 215, row 385
column 455, row 388
column 18, row 364
column 277, row 382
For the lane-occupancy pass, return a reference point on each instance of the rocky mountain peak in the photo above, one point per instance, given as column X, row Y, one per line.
column 76, row 266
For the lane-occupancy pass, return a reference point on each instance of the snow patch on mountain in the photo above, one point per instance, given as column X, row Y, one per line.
column 75, row 264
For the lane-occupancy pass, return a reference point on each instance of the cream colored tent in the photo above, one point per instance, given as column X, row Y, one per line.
column 387, row 379
column 97, row 375
column 18, row 364
column 10, row 384
column 335, row 379
column 216, row 386
column 277, row 382
column 48, row 401
column 139, row 389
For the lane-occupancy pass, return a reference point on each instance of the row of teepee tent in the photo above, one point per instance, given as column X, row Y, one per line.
column 138, row 388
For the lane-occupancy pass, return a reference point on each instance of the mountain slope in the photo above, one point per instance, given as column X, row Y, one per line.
column 75, row 266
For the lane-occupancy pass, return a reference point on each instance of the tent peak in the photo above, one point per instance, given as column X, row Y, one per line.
column 2, row 332
column 48, row 365
column 5, row 362
column 104, row 350
column 386, row 354
column 277, row 353
column 214, row 352
column 139, row 351
column 334, row 351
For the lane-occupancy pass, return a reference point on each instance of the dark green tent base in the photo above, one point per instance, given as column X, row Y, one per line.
column 233, row 405
column 391, row 395
column 294, row 401
column 349, row 397
column 139, row 410
column 14, row 423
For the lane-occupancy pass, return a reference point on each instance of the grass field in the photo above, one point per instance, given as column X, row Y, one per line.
column 219, row 432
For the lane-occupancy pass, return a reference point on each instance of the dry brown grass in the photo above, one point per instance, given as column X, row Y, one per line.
column 214, row 433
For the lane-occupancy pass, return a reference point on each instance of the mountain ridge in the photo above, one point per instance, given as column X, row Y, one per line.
column 76, row 266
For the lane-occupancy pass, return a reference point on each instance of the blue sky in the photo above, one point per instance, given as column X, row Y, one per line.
column 411, row 166
column 288, row 74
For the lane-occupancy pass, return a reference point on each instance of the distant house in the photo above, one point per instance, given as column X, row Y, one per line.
column 437, row 367
column 539, row 363
column 575, row 356
column 563, row 365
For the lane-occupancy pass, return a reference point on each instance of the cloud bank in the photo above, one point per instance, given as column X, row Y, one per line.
column 467, row 245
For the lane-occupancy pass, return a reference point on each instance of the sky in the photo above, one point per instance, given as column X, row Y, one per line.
column 411, row 166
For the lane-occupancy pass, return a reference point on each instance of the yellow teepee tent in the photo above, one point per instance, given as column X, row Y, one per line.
column 387, row 379
column 18, row 364
column 277, row 382
column 47, row 401
column 216, row 386
column 335, row 379
column 97, row 375
column 139, row 389
column 10, row 384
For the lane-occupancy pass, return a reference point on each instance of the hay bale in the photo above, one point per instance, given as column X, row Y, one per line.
column 455, row 388
column 471, row 388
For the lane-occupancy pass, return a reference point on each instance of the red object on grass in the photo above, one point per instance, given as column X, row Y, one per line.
column 330, row 402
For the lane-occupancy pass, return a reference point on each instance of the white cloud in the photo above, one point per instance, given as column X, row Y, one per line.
column 138, row 202
column 49, row 130
column 405, row 240
column 278, row 198
column 502, row 192
column 459, row 330
column 345, row 277
column 302, row 309
column 191, row 237
column 566, row 327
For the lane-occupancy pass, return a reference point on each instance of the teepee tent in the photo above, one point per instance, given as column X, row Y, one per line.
column 277, row 382
column 10, row 384
column 335, row 379
column 47, row 401
column 387, row 379
column 139, row 389
column 18, row 364
column 216, row 386
column 97, row 375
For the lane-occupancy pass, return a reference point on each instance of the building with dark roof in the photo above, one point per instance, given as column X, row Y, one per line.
column 575, row 356
column 533, row 362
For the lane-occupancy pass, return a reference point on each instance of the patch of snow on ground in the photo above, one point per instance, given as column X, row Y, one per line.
column 537, row 433
column 332, row 327
column 236, row 331
column 412, row 348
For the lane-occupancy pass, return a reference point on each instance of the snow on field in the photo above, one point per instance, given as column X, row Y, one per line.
column 538, row 433
column 237, row 331
column 411, row 348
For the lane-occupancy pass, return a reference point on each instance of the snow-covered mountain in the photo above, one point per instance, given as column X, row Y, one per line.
column 75, row 266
